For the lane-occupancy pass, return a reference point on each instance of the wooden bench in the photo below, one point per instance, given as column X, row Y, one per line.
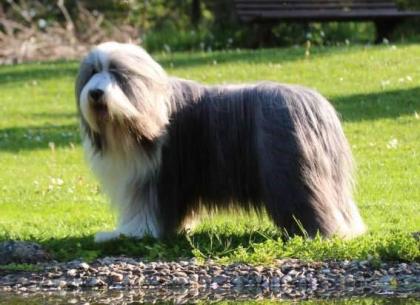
column 384, row 13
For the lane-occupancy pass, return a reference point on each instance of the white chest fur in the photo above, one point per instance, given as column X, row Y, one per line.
column 123, row 179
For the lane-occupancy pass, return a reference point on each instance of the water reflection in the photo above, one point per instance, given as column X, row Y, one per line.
column 137, row 297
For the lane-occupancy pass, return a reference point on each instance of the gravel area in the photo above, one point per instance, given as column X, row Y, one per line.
column 22, row 252
column 187, row 279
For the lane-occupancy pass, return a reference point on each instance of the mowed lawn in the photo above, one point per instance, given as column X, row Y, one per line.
column 48, row 195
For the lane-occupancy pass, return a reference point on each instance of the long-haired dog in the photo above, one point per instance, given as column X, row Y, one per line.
column 165, row 149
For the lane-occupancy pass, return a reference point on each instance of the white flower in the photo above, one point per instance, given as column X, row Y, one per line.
column 385, row 83
column 51, row 145
column 56, row 181
column 167, row 48
column 392, row 144
column 42, row 23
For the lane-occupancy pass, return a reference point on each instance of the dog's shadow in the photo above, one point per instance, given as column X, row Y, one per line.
column 183, row 245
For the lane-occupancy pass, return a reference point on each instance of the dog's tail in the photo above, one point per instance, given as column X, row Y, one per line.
column 326, row 163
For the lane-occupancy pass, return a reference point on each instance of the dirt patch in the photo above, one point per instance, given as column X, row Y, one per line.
column 22, row 38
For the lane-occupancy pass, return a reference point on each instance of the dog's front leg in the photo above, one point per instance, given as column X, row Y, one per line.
column 139, row 226
column 136, row 219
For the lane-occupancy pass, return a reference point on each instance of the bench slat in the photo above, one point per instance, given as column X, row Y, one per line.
column 378, row 5
column 319, row 10
column 318, row 2
column 327, row 15
column 314, row 1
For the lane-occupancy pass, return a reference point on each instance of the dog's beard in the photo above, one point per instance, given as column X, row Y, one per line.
column 126, row 131
column 123, row 135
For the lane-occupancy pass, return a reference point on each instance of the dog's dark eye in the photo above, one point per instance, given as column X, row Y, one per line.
column 121, row 78
column 118, row 70
column 123, row 81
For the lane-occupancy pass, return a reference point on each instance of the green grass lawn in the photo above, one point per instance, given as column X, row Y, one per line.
column 48, row 195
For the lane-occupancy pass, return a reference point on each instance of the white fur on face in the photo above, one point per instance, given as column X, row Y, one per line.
column 119, row 107
column 146, row 107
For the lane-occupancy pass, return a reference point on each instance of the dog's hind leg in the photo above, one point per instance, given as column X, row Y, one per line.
column 288, row 202
column 287, row 197
column 301, row 198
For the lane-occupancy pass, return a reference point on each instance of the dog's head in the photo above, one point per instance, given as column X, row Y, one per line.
column 122, row 96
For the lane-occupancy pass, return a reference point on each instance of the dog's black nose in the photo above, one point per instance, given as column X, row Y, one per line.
column 95, row 94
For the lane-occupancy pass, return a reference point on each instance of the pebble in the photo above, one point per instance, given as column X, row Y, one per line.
column 237, row 281
column 84, row 266
column 91, row 282
column 220, row 279
column 72, row 272
column 73, row 284
column 116, row 277
column 180, row 281
column 286, row 279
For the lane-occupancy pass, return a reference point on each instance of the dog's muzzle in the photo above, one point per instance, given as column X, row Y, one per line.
column 97, row 102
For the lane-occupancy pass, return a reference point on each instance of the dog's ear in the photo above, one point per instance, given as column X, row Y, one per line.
column 151, row 96
column 146, row 127
column 146, row 85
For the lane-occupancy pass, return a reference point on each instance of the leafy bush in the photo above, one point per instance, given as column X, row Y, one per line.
column 172, row 25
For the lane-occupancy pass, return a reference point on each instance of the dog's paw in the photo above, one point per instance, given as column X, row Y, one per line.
column 101, row 237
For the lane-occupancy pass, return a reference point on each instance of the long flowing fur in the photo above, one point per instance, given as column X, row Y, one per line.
column 168, row 148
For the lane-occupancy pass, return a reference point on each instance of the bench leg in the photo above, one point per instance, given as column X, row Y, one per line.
column 195, row 13
column 384, row 29
column 263, row 36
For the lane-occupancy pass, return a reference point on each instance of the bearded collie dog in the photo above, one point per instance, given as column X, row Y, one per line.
column 166, row 149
